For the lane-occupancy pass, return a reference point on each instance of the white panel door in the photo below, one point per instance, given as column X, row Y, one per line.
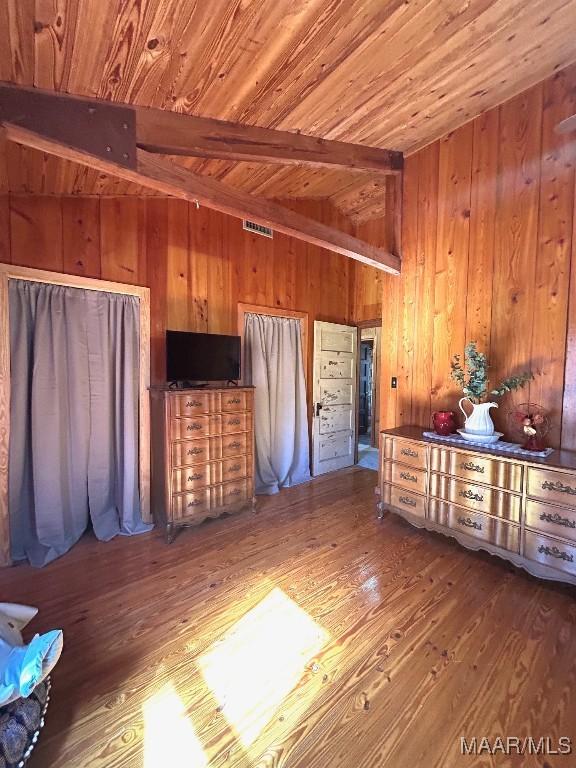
column 334, row 393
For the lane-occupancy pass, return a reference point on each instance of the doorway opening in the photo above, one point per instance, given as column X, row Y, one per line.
column 274, row 362
column 365, row 412
column 368, row 417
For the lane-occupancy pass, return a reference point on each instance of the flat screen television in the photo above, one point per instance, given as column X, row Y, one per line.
column 199, row 357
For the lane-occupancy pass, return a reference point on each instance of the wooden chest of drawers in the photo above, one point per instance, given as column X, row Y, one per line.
column 202, row 454
column 513, row 506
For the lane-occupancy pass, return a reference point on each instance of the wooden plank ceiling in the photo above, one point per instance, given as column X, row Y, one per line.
column 390, row 73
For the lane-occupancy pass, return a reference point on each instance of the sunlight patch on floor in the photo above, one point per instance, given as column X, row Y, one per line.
column 169, row 737
column 260, row 660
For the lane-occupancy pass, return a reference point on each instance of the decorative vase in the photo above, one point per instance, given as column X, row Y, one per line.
column 443, row 422
column 534, row 443
column 478, row 421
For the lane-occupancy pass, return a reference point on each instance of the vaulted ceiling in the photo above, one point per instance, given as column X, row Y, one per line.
column 390, row 73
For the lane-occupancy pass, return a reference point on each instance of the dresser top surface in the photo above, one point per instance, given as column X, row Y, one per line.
column 556, row 460
column 199, row 390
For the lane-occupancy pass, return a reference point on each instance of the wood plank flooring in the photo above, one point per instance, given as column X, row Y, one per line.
column 305, row 635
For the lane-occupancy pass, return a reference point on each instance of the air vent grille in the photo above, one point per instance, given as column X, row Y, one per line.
column 258, row 229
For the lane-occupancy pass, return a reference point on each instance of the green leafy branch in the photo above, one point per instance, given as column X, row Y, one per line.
column 472, row 377
column 512, row 383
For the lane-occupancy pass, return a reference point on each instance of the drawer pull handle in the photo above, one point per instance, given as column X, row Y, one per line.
column 555, row 552
column 194, row 503
column 195, row 476
column 234, row 468
column 409, row 452
column 471, row 467
column 194, row 426
column 194, row 451
column 235, row 492
column 468, row 494
column 409, row 477
column 233, row 422
column 234, row 401
column 235, row 444
column 467, row 523
column 557, row 519
column 193, row 404
column 559, row 487
column 407, row 501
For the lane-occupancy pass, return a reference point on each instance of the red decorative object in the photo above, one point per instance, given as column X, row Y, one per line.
column 534, row 443
column 529, row 422
column 444, row 422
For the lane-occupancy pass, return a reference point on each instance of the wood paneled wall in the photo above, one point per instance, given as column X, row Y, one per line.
column 488, row 231
column 198, row 263
column 488, row 255
column 368, row 282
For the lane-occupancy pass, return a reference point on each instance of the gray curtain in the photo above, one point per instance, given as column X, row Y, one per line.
column 273, row 364
column 74, row 357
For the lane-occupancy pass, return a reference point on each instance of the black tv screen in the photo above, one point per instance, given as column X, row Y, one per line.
column 202, row 357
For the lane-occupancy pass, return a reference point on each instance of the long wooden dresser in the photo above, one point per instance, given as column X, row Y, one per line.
column 202, row 454
column 519, row 508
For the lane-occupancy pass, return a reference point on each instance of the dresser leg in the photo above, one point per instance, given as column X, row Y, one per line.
column 380, row 508
column 169, row 533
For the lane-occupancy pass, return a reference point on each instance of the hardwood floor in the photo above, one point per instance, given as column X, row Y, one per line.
column 305, row 635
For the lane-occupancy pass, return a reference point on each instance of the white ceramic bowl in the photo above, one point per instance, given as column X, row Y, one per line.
column 480, row 438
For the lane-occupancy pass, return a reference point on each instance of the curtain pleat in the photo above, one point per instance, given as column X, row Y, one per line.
column 74, row 390
column 113, row 362
column 273, row 364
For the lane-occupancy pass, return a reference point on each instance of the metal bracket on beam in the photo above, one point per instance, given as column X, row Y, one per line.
column 101, row 128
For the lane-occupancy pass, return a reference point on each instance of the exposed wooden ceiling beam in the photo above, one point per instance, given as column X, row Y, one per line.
column 170, row 179
column 173, row 133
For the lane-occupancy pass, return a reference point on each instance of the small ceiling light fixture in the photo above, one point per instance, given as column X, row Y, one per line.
column 567, row 126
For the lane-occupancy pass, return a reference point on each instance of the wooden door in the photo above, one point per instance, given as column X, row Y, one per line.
column 335, row 377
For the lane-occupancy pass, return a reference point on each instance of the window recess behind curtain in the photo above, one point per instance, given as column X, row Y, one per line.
column 75, row 359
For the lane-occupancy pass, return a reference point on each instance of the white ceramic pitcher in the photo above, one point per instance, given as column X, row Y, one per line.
column 478, row 422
